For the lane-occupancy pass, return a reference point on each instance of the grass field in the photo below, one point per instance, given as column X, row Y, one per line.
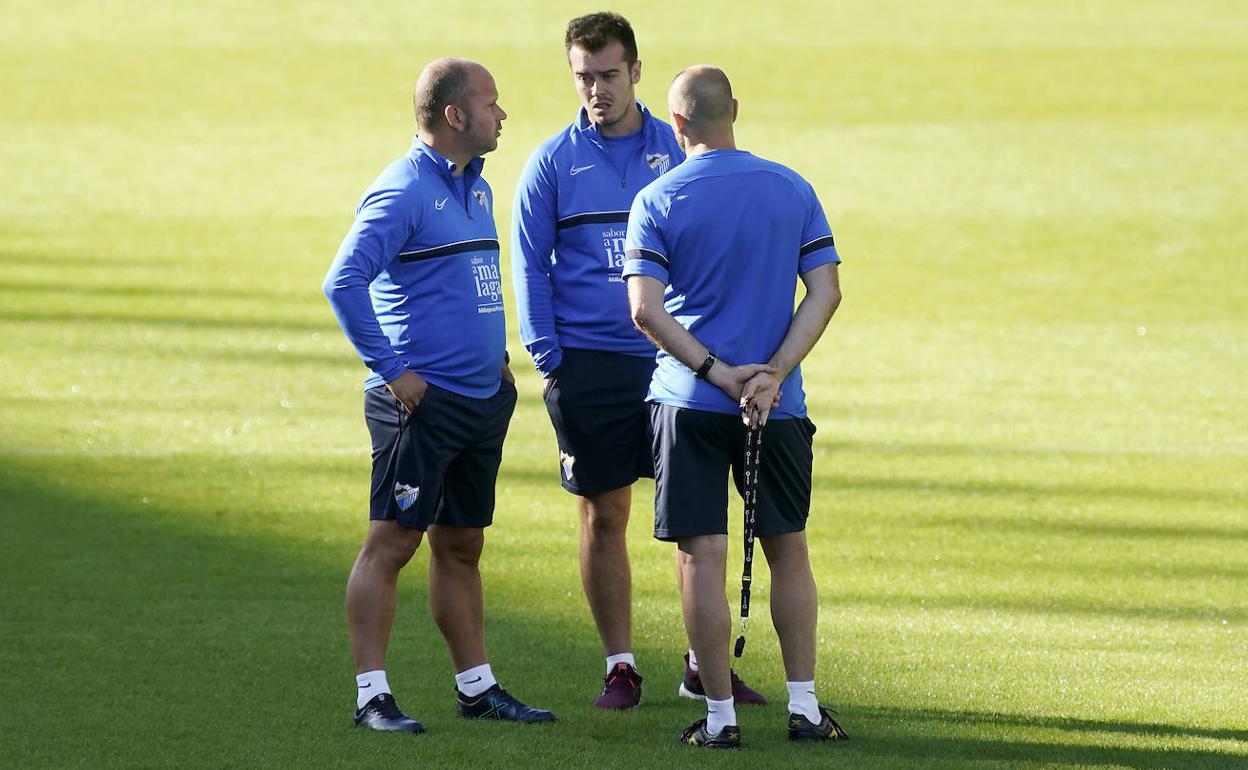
column 1031, row 519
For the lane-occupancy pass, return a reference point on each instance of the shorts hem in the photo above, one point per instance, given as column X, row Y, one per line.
column 669, row 537
column 783, row 531
column 390, row 516
column 597, row 489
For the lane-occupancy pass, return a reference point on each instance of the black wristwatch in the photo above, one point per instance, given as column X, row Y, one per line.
column 705, row 368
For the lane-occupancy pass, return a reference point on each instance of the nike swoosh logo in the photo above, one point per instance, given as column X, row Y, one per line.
column 365, row 686
column 473, row 681
column 439, row 204
column 576, row 170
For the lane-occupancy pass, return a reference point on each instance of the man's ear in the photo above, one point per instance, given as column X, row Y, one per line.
column 734, row 110
column 635, row 72
column 679, row 122
column 454, row 117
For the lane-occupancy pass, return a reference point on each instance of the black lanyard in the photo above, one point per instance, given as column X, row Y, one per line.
column 753, row 458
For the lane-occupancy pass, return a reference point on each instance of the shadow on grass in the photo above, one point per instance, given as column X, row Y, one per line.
column 189, row 612
column 1072, row 724
column 1010, row 753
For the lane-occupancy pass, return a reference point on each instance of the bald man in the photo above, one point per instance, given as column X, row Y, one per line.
column 416, row 288
column 713, row 253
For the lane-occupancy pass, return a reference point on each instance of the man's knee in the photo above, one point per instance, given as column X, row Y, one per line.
column 606, row 514
column 786, row 549
column 703, row 549
column 390, row 545
column 457, row 544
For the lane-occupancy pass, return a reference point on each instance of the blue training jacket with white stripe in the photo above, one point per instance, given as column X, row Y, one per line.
column 567, row 238
column 416, row 283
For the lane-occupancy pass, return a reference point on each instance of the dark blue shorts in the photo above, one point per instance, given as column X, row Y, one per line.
column 439, row 464
column 597, row 403
column 693, row 451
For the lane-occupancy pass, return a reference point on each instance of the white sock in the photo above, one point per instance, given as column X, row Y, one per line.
column 369, row 685
column 475, row 680
column 802, row 700
column 693, row 660
column 620, row 657
column 719, row 714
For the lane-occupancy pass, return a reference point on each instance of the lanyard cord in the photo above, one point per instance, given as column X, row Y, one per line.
column 753, row 458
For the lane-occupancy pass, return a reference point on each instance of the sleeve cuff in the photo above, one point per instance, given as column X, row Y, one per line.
column 645, row 267
column 549, row 362
column 818, row 258
column 392, row 371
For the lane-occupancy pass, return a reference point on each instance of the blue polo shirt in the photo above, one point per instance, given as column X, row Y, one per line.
column 567, row 237
column 728, row 233
column 416, row 283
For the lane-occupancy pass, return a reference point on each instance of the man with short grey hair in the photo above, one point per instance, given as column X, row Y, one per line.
column 416, row 288
column 714, row 252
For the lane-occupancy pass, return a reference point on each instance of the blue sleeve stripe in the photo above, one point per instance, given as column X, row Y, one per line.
column 483, row 244
column 816, row 244
column 647, row 254
column 592, row 218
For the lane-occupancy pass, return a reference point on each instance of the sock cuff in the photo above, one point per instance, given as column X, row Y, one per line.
column 369, row 685
column 720, row 714
column 620, row 657
column 476, row 680
column 802, row 700
column 373, row 680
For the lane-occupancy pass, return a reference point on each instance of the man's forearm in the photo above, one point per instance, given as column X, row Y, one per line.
column 666, row 332
column 645, row 305
column 812, row 317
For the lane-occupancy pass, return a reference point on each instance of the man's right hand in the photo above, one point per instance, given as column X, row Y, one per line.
column 409, row 388
column 760, row 395
column 732, row 379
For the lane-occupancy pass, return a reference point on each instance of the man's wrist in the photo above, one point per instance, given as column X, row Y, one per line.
column 705, row 369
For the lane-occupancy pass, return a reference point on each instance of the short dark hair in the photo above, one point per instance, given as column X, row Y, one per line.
column 595, row 32
column 443, row 82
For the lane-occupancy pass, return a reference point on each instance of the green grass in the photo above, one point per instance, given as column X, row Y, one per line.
column 1030, row 518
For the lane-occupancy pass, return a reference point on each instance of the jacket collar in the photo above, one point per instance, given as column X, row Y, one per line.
column 446, row 167
column 590, row 130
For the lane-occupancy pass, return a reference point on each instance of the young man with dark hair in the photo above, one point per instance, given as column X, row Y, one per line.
column 415, row 287
column 568, row 226
column 714, row 252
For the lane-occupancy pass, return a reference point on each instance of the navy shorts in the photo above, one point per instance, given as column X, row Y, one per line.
column 597, row 403
column 693, row 451
column 437, row 465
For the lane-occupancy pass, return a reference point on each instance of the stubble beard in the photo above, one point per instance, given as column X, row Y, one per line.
column 486, row 143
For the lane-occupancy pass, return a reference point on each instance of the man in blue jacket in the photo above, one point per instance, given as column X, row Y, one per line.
column 415, row 287
column 568, row 226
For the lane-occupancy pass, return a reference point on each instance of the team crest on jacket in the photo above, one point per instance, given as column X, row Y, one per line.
column 480, row 196
column 659, row 164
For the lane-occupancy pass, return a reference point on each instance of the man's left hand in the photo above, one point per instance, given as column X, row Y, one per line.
column 731, row 379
